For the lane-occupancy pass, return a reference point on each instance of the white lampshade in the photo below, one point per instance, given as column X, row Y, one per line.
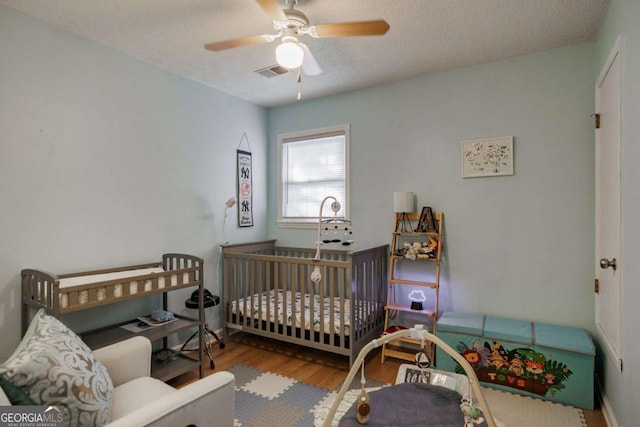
column 289, row 55
column 403, row 201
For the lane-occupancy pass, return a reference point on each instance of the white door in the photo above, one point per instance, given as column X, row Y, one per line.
column 608, row 268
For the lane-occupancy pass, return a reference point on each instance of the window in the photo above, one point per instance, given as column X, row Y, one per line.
column 312, row 165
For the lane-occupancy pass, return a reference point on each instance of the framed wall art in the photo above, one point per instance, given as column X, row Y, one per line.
column 487, row 157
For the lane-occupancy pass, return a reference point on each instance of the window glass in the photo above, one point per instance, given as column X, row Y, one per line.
column 313, row 165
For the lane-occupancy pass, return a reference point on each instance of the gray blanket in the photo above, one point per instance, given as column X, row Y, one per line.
column 411, row 404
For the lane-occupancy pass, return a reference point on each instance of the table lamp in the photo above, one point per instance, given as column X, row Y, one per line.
column 403, row 204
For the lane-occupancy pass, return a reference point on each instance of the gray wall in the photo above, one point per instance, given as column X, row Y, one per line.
column 622, row 388
column 518, row 246
column 106, row 161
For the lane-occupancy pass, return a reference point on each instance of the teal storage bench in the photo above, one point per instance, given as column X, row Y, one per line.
column 540, row 360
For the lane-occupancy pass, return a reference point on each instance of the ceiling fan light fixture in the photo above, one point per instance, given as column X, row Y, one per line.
column 289, row 54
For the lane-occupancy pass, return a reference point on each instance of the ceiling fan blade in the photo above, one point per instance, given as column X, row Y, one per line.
column 347, row 29
column 273, row 9
column 242, row 41
column 310, row 66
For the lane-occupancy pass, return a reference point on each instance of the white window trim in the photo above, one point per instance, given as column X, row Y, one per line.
column 313, row 223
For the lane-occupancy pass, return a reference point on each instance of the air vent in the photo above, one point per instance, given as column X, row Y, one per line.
column 272, row 71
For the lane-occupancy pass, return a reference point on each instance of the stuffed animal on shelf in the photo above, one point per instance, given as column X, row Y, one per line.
column 433, row 245
column 418, row 250
column 411, row 250
column 429, row 249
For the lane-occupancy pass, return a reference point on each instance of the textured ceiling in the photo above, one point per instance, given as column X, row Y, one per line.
column 425, row 36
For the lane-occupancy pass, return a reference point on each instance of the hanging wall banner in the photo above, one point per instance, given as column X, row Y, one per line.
column 245, row 190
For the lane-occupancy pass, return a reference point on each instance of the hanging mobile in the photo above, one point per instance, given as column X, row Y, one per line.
column 332, row 228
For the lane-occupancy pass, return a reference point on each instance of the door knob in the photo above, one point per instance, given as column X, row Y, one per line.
column 605, row 263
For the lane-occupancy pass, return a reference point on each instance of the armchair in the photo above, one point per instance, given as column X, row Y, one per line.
column 140, row 400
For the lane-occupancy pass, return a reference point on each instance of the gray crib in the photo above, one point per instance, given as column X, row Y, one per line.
column 267, row 291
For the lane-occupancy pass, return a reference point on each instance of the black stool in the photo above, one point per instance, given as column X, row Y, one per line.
column 209, row 301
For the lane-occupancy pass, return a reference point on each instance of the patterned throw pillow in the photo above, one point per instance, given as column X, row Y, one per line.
column 54, row 367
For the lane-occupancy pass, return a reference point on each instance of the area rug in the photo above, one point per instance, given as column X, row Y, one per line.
column 264, row 399
column 522, row 411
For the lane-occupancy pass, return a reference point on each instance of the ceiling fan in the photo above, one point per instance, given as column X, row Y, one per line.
column 289, row 25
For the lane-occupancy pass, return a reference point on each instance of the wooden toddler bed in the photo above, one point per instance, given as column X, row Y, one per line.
column 267, row 291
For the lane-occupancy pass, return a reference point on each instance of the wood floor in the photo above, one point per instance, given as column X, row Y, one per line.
column 310, row 366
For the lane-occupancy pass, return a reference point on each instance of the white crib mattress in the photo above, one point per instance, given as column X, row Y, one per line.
column 135, row 286
column 293, row 311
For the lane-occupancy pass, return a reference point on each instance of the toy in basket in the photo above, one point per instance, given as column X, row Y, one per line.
column 421, row 395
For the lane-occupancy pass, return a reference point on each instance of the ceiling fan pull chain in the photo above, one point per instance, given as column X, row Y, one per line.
column 299, row 85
